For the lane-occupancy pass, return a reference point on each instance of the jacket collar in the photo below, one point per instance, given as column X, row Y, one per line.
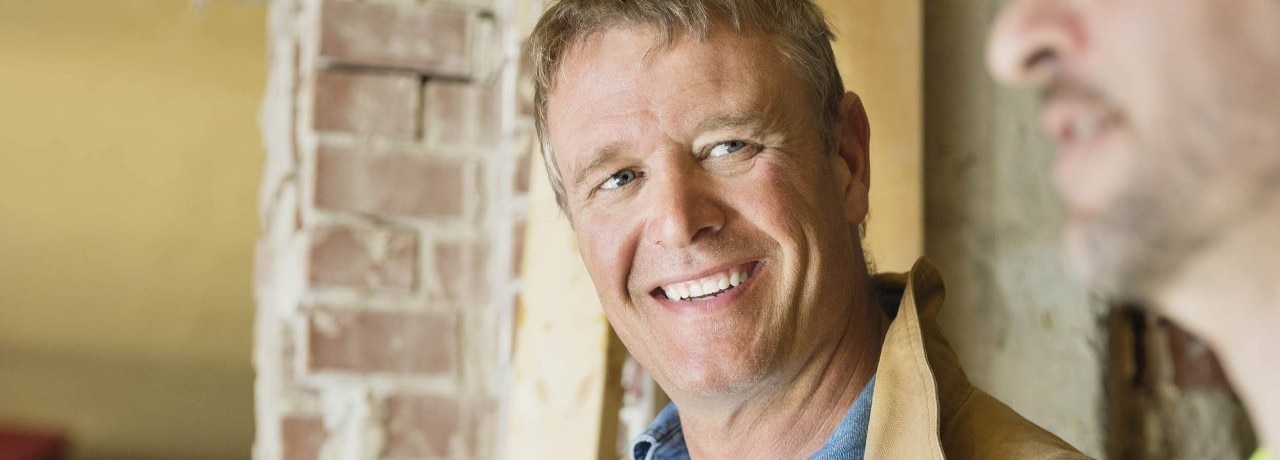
column 907, row 411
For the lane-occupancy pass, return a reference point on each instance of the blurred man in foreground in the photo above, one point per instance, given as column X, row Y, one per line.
column 1167, row 115
column 716, row 174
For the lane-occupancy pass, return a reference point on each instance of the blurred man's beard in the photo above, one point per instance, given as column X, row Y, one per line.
column 1133, row 248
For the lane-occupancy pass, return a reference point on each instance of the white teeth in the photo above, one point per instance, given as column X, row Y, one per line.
column 710, row 286
column 713, row 284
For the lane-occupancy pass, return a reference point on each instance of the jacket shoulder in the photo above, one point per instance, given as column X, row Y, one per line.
column 985, row 428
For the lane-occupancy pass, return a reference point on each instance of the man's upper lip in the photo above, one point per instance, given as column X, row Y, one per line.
column 697, row 275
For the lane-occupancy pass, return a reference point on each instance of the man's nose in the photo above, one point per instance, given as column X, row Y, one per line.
column 1031, row 39
column 682, row 211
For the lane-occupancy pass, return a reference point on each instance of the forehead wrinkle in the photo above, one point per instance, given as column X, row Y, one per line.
column 576, row 77
column 601, row 89
column 734, row 102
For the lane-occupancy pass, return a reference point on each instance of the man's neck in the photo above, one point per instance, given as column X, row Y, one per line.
column 795, row 420
column 1230, row 297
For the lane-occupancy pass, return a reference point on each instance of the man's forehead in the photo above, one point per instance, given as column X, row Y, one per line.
column 617, row 71
column 624, row 58
column 617, row 91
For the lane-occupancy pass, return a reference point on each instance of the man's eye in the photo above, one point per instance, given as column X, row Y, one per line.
column 619, row 179
column 728, row 147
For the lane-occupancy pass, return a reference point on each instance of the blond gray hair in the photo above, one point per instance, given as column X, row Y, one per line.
column 798, row 28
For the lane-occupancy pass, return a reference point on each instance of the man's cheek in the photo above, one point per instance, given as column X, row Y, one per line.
column 607, row 260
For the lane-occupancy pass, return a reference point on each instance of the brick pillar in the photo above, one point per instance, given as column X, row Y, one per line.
column 391, row 211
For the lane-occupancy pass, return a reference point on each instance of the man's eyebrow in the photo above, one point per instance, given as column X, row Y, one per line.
column 749, row 119
column 599, row 157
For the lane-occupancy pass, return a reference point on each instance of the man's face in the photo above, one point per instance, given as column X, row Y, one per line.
column 715, row 226
column 1167, row 116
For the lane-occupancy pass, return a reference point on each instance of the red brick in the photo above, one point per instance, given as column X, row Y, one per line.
column 422, row 425
column 432, row 39
column 461, row 268
column 459, row 114
column 303, row 437
column 376, row 104
column 425, row 426
column 363, row 341
column 369, row 259
column 389, row 184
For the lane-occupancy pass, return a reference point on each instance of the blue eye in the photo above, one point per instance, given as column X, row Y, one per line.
column 727, row 147
column 619, row 179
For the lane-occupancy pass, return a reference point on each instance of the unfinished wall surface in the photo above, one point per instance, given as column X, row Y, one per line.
column 1023, row 329
column 391, row 205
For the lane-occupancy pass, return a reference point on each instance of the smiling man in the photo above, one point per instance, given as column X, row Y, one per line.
column 716, row 174
column 1167, row 115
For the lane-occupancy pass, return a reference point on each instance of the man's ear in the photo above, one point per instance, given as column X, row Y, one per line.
column 852, row 161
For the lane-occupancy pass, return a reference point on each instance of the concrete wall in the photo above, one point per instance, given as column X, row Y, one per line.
column 1024, row 330
column 129, row 166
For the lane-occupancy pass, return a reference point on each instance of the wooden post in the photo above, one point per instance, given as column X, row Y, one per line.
column 565, row 390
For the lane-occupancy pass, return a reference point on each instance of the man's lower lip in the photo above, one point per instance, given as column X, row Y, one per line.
column 1088, row 145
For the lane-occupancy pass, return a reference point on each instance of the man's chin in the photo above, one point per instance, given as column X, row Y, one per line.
column 1102, row 261
column 710, row 379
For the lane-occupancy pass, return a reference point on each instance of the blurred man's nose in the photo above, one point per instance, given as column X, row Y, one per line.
column 682, row 209
column 1032, row 39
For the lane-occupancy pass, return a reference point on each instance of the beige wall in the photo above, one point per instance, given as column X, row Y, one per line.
column 878, row 51
column 129, row 167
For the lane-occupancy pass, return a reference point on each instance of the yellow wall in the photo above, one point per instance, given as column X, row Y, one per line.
column 880, row 55
column 129, row 166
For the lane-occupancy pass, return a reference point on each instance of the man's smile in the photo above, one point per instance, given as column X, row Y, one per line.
column 705, row 287
column 707, row 291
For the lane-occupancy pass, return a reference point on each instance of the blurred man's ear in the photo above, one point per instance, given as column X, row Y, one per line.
column 852, row 162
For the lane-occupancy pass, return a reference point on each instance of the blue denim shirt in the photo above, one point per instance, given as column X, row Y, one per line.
column 664, row 440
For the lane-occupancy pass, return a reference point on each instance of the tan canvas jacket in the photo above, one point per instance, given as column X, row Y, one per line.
column 924, row 406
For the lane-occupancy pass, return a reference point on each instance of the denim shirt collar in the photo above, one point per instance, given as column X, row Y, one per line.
column 664, row 440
